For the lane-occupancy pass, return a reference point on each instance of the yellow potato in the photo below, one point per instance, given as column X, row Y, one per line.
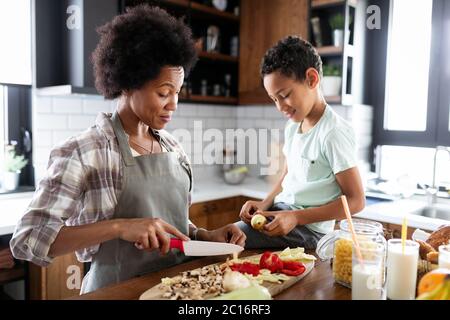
column 258, row 221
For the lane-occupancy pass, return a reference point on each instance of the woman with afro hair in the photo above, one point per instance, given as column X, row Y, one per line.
column 116, row 192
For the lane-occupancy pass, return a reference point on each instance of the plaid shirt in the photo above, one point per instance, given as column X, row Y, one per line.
column 83, row 184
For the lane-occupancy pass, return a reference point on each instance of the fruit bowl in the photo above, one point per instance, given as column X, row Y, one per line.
column 236, row 175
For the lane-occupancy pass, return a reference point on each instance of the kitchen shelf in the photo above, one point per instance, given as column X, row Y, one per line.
column 218, row 56
column 181, row 3
column 9, row 275
column 318, row 4
column 315, row 4
column 330, row 51
column 349, row 57
column 212, row 99
column 212, row 67
column 204, row 9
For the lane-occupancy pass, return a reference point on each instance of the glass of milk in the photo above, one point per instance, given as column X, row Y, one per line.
column 402, row 269
column 368, row 276
column 444, row 256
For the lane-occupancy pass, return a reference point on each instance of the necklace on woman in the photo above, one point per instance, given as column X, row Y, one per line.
column 142, row 147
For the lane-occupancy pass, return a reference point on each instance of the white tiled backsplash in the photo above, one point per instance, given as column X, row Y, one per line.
column 57, row 118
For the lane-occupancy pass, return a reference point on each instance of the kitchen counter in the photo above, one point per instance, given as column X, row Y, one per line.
column 13, row 206
column 216, row 188
column 394, row 212
column 318, row 285
column 385, row 211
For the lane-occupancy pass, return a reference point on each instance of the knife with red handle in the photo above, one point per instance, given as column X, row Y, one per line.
column 204, row 248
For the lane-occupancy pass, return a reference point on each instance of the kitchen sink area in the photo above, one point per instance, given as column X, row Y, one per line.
column 436, row 211
column 419, row 212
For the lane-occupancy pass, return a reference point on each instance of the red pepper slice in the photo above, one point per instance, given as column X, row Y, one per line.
column 292, row 265
column 293, row 268
column 271, row 261
column 293, row 272
column 246, row 267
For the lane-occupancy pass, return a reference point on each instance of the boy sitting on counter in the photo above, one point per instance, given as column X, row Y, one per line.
column 320, row 153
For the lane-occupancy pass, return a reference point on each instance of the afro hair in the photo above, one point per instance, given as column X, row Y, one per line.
column 291, row 56
column 135, row 45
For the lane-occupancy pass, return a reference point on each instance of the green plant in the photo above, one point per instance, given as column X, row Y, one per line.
column 337, row 22
column 13, row 162
column 331, row 70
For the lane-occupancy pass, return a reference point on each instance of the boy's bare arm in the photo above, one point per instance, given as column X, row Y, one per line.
column 350, row 183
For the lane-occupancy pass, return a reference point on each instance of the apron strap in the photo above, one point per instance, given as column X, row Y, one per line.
column 123, row 140
column 161, row 140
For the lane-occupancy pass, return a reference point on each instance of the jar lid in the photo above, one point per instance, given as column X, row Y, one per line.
column 362, row 226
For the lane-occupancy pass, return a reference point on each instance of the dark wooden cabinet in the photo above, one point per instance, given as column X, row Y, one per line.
column 395, row 231
column 217, row 213
column 263, row 23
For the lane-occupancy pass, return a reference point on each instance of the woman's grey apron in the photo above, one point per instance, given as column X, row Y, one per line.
column 155, row 186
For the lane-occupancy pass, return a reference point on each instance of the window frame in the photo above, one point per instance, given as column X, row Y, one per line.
column 17, row 118
column 443, row 130
column 3, row 117
column 437, row 85
column 29, row 81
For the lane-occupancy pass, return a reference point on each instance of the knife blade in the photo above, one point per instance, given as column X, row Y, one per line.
column 204, row 248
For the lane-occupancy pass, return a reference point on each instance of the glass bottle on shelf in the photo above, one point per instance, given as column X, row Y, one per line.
column 213, row 39
column 227, row 87
column 216, row 90
column 234, row 46
column 204, row 87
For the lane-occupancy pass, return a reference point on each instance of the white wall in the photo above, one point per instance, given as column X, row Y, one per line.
column 57, row 118
column 360, row 117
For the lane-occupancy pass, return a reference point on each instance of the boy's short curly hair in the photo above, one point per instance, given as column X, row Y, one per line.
column 291, row 56
column 135, row 45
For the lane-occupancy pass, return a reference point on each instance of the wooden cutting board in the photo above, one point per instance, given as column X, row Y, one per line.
column 155, row 293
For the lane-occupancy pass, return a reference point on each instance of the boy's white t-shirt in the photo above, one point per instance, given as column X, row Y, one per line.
column 313, row 159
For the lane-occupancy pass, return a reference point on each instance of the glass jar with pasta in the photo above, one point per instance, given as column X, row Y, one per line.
column 338, row 246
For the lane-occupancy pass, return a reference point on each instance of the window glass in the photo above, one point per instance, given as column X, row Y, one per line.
column 414, row 163
column 15, row 42
column 408, row 65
